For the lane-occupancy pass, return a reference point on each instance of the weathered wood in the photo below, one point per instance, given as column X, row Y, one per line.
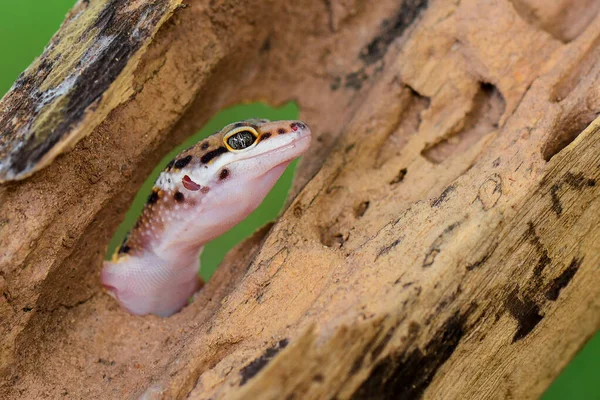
column 444, row 237
column 85, row 72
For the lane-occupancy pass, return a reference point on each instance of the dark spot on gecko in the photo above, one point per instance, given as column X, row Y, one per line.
column 179, row 197
column 239, row 125
column 563, row 279
column 259, row 363
column 206, row 158
column 124, row 249
column 224, row 174
column 281, row 131
column 526, row 312
column 153, row 198
column 170, row 164
column 204, row 146
column 205, row 189
column 182, row 162
column 265, row 136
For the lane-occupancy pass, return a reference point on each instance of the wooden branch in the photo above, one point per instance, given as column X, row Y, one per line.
column 444, row 236
column 85, row 72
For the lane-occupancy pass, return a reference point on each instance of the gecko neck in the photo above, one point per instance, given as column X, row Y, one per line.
column 219, row 211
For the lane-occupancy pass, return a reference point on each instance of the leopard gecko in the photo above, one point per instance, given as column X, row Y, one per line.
column 202, row 193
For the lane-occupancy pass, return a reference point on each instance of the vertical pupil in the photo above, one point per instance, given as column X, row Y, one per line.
column 241, row 140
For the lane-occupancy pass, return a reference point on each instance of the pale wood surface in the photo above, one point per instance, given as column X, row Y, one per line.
column 443, row 241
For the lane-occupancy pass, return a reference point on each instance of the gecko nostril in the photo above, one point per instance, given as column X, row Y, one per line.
column 297, row 125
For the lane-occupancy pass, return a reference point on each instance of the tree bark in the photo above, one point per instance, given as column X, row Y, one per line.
column 443, row 237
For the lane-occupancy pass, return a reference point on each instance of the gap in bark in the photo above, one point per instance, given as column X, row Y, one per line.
column 409, row 124
column 215, row 250
column 484, row 117
column 566, row 131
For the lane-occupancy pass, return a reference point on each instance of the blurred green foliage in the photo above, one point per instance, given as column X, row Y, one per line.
column 25, row 28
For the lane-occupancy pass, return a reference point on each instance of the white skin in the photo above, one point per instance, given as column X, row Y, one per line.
column 162, row 273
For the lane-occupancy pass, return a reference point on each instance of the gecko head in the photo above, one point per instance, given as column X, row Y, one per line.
column 227, row 175
column 249, row 155
column 202, row 193
column 253, row 148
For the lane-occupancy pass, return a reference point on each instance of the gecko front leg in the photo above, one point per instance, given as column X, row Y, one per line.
column 147, row 284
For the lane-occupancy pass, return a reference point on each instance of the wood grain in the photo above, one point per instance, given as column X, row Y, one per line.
column 441, row 241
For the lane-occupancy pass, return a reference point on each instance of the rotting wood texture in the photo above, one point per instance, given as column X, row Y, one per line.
column 443, row 240
column 84, row 73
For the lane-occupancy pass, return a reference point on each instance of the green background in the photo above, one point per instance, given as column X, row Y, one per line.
column 25, row 28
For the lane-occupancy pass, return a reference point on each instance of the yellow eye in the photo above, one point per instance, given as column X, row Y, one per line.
column 240, row 139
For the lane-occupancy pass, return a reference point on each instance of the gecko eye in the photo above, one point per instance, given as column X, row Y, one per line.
column 240, row 139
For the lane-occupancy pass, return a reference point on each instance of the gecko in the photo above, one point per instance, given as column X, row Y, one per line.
column 202, row 193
